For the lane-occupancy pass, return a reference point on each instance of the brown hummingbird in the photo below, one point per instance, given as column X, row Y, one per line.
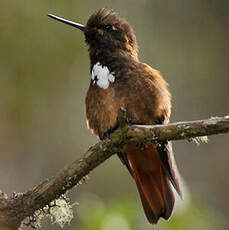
column 120, row 80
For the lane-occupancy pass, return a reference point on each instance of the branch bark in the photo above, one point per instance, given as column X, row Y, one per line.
column 15, row 209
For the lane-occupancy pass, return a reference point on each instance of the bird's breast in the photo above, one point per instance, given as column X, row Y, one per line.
column 102, row 107
column 141, row 91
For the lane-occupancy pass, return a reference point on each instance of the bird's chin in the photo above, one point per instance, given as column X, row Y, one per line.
column 93, row 43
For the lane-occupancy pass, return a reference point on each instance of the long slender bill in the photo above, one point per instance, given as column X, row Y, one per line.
column 68, row 22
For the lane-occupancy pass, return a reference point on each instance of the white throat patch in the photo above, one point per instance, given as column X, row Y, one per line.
column 101, row 76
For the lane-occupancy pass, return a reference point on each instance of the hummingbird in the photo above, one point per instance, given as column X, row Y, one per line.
column 119, row 80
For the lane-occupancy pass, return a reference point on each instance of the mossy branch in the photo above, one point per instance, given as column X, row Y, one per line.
column 15, row 209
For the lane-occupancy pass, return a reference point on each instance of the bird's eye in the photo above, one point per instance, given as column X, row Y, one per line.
column 108, row 27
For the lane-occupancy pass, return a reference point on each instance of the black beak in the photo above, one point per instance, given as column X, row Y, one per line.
column 71, row 23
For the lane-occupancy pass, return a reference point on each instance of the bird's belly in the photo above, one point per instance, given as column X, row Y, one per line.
column 101, row 110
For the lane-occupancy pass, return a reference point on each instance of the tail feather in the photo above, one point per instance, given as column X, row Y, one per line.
column 169, row 164
column 152, row 182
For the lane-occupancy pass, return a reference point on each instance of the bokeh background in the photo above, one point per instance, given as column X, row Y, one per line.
column 44, row 76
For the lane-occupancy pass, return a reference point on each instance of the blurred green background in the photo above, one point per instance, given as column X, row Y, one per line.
column 44, row 76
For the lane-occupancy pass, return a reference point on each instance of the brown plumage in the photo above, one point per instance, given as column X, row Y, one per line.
column 143, row 92
column 153, row 185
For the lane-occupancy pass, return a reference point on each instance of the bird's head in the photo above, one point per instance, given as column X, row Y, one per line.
column 106, row 31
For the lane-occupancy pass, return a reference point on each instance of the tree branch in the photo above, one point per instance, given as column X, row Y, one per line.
column 15, row 209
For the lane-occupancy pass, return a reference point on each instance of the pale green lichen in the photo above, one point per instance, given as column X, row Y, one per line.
column 3, row 195
column 39, row 215
column 35, row 220
column 214, row 118
column 83, row 180
column 142, row 142
column 61, row 213
column 199, row 140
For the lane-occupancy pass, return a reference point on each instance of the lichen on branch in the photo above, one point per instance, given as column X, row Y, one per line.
column 15, row 209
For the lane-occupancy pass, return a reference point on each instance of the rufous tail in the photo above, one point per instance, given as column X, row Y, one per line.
column 152, row 182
